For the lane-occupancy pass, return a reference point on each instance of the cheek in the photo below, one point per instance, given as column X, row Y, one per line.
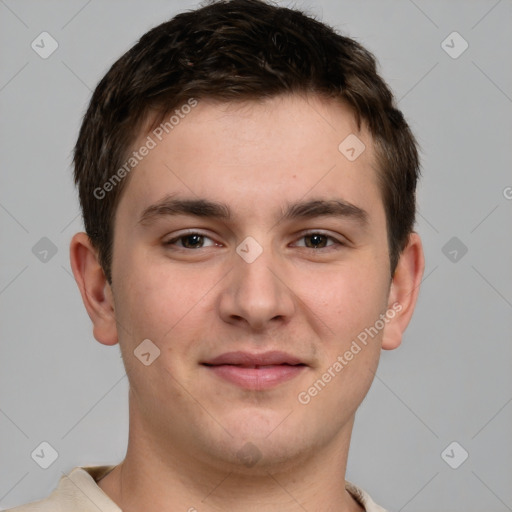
column 169, row 312
column 346, row 300
column 158, row 303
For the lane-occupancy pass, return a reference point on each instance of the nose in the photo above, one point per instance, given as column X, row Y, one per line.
column 256, row 294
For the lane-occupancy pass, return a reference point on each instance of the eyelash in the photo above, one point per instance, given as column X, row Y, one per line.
column 186, row 235
column 335, row 241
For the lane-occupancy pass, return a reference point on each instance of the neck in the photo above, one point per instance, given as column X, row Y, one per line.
column 154, row 478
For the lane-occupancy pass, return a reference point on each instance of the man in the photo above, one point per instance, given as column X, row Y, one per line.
column 248, row 193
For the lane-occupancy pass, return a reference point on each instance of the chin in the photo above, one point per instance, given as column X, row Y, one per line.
column 258, row 443
column 258, row 423
column 259, row 457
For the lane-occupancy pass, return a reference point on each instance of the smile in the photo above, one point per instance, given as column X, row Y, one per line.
column 255, row 371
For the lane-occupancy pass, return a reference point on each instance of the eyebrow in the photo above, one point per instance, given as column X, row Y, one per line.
column 169, row 206
column 320, row 207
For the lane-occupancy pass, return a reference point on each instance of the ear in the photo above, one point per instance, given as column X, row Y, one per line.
column 404, row 291
column 94, row 288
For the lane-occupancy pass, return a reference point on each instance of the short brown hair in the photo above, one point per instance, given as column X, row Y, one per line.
column 236, row 50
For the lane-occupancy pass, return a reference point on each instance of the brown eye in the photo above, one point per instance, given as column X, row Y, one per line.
column 316, row 241
column 191, row 241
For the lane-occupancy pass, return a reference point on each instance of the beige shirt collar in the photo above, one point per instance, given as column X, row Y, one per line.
column 79, row 492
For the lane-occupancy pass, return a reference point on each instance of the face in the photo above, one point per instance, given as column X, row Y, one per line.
column 253, row 254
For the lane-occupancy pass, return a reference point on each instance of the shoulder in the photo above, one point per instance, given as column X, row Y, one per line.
column 362, row 497
column 75, row 492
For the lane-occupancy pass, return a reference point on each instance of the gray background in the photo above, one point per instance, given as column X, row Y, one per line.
column 451, row 379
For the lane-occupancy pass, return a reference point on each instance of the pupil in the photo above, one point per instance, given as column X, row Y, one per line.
column 317, row 241
column 192, row 240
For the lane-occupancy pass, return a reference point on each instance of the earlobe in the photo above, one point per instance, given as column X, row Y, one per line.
column 94, row 288
column 404, row 291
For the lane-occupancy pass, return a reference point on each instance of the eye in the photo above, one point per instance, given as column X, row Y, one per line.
column 317, row 240
column 191, row 241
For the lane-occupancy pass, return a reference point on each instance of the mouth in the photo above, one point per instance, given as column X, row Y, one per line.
column 255, row 371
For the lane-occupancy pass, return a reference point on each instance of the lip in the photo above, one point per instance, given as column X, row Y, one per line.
column 255, row 371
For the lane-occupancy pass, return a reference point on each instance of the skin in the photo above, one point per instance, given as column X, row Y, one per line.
column 187, row 425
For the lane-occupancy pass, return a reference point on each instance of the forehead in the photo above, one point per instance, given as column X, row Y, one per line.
column 254, row 154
